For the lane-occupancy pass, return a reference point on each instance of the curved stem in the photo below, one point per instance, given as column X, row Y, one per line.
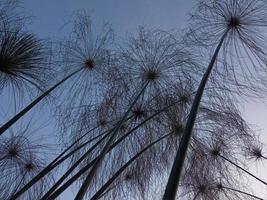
column 87, row 167
column 113, row 178
column 242, row 192
column 54, row 164
column 265, row 183
column 75, row 142
column 174, row 177
column 34, row 102
column 107, row 191
column 81, row 193
column 70, row 170
column 17, row 187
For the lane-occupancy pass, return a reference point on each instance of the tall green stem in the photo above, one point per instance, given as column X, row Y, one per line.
column 242, row 192
column 70, row 170
column 34, row 102
column 80, row 195
column 56, row 162
column 246, row 171
column 84, row 169
column 113, row 178
column 74, row 178
column 75, row 142
column 107, row 191
column 19, row 184
column 87, row 167
column 171, row 188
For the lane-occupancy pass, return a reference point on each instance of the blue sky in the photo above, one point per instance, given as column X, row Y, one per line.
column 125, row 16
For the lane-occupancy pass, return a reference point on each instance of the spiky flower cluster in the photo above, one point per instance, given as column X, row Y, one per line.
column 241, row 62
column 23, row 63
column 20, row 161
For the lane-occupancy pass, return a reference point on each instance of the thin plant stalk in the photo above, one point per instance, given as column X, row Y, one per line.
column 69, row 171
column 87, row 167
column 51, row 167
column 195, row 197
column 252, row 175
column 242, row 192
column 75, row 142
column 34, row 103
column 56, row 162
column 75, row 165
column 128, row 163
column 81, row 193
column 174, row 177
column 19, row 184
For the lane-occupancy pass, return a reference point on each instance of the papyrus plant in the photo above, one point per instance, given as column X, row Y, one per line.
column 235, row 29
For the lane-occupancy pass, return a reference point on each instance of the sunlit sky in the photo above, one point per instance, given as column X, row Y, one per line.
column 125, row 16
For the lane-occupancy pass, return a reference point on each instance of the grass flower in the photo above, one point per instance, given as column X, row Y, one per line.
column 235, row 29
column 20, row 161
column 24, row 63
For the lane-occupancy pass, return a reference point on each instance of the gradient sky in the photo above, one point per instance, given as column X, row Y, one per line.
column 125, row 16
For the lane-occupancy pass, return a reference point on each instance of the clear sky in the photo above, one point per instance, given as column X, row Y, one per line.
column 125, row 16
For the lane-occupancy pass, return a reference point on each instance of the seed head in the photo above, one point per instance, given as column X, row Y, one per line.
column 234, row 22
column 138, row 113
column 151, row 75
column 89, row 64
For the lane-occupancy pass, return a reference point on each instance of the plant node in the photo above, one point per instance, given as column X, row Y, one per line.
column 29, row 166
column 89, row 63
column 151, row 75
column 178, row 129
column 5, row 65
column 128, row 177
column 219, row 186
column 102, row 122
column 233, row 22
column 12, row 152
column 184, row 99
column 215, row 152
column 257, row 153
column 138, row 113
column 202, row 188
